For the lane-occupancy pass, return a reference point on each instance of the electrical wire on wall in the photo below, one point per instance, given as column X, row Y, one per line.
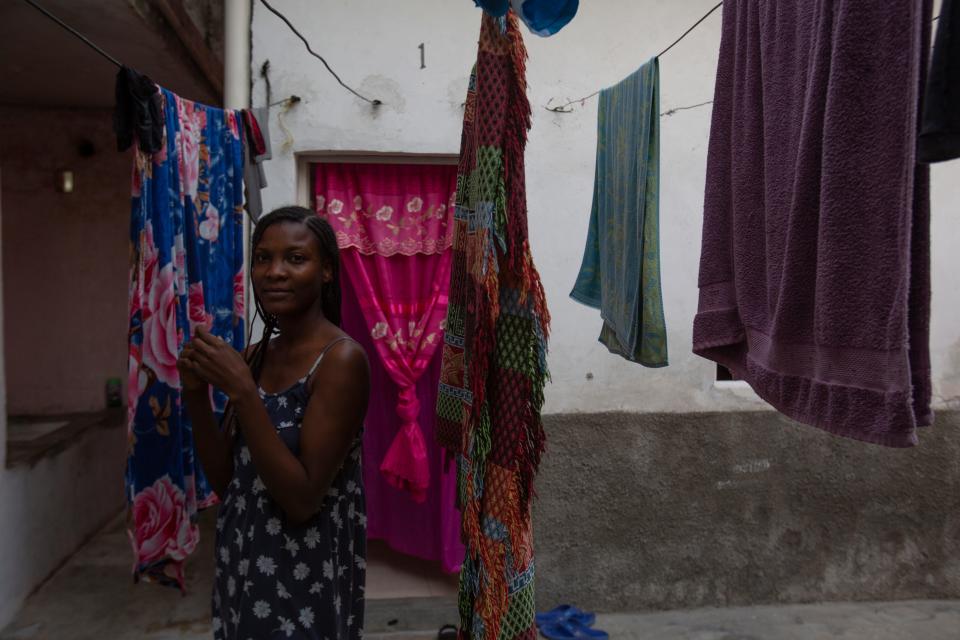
column 306, row 43
column 288, row 103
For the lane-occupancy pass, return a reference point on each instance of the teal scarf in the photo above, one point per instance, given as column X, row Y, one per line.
column 620, row 273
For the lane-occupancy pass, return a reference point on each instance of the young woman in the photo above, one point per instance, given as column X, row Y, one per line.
column 291, row 531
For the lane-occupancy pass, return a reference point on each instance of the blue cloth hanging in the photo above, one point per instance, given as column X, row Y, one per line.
column 186, row 236
column 542, row 17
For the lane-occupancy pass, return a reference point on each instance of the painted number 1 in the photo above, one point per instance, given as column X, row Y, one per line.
column 423, row 55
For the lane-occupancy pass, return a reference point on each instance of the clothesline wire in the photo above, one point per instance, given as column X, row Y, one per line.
column 291, row 99
column 316, row 55
column 76, row 33
column 670, row 112
column 565, row 107
column 694, row 26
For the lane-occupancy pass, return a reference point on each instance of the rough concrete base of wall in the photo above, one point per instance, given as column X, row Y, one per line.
column 48, row 510
column 674, row 511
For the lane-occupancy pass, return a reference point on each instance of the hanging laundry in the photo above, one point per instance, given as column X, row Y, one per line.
column 255, row 137
column 187, row 270
column 940, row 125
column 494, row 356
column 815, row 268
column 430, row 529
column 138, row 112
column 257, row 141
column 620, row 273
column 542, row 17
column 392, row 226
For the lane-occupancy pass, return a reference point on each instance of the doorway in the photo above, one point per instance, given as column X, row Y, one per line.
column 393, row 216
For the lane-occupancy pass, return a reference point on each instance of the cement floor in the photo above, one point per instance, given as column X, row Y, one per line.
column 92, row 598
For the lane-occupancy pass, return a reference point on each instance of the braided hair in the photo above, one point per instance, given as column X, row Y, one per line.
column 330, row 294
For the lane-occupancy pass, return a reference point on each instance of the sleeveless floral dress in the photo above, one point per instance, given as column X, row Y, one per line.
column 275, row 579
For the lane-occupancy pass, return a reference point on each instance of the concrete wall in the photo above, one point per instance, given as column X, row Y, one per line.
column 207, row 15
column 63, row 309
column 3, row 369
column 49, row 510
column 374, row 46
column 65, row 259
column 664, row 511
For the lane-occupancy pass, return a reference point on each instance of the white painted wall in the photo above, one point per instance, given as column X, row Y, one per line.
column 374, row 46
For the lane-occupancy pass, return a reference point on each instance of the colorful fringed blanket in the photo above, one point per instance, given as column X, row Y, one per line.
column 494, row 357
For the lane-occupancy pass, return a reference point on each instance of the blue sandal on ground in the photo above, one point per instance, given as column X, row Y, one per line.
column 569, row 630
column 566, row 612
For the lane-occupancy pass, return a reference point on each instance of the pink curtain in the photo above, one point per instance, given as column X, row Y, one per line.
column 393, row 227
column 430, row 529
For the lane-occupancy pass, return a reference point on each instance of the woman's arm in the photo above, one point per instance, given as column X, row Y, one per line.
column 213, row 446
column 340, row 389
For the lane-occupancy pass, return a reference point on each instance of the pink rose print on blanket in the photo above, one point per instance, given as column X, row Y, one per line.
column 148, row 256
column 196, row 306
column 162, row 524
column 180, row 264
column 136, row 183
column 238, row 295
column 192, row 122
column 136, row 382
column 210, row 227
column 232, row 123
column 161, row 339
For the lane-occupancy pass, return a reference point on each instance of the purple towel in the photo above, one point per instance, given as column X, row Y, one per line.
column 815, row 269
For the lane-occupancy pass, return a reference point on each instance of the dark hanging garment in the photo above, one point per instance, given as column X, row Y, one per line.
column 138, row 112
column 940, row 127
column 815, row 265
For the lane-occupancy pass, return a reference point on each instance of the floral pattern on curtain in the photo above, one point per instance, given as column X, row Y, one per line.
column 186, row 251
column 394, row 228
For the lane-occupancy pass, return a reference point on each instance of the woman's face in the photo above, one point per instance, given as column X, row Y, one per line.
column 289, row 269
